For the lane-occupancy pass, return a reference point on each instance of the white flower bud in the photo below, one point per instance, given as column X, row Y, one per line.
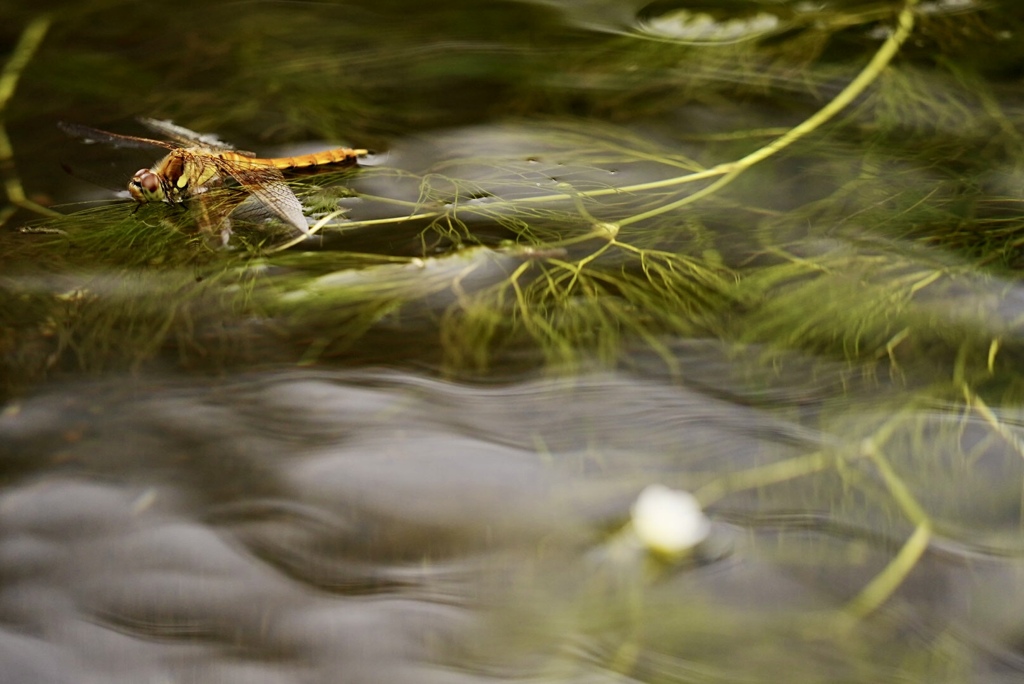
column 669, row 521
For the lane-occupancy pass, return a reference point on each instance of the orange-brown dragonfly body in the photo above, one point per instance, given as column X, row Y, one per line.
column 197, row 162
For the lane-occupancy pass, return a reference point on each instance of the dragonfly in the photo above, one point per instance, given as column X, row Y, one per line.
column 198, row 162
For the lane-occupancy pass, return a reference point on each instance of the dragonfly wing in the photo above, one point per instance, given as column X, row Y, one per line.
column 266, row 184
column 94, row 135
column 185, row 136
column 213, row 214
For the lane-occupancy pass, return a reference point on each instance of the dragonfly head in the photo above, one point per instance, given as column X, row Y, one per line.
column 145, row 186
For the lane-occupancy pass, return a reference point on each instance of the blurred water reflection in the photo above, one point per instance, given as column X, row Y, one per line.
column 307, row 527
column 316, row 528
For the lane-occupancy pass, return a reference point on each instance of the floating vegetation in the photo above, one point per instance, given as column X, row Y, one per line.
column 699, row 27
column 570, row 244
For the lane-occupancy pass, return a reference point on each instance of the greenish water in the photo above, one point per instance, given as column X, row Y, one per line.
column 765, row 252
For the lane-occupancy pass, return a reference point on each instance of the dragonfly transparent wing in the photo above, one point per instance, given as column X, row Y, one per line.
column 213, row 213
column 188, row 138
column 266, row 184
column 95, row 135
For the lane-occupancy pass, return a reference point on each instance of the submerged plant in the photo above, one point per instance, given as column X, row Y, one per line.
column 575, row 242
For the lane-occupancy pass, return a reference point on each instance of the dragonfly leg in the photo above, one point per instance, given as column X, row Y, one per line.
column 225, row 231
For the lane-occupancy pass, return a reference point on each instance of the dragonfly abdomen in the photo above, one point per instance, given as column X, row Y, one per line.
column 338, row 155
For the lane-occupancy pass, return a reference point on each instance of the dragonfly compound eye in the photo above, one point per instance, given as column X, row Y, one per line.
column 145, row 186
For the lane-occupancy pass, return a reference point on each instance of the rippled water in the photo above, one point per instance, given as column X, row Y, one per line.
column 406, row 450
column 298, row 526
